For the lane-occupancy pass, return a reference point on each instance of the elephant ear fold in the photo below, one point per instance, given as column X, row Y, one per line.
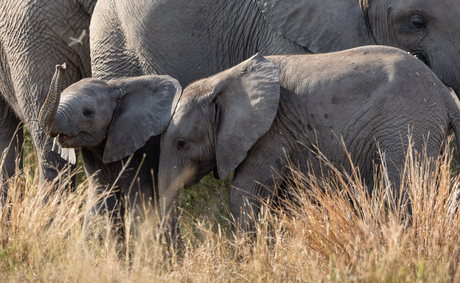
column 319, row 25
column 146, row 107
column 247, row 98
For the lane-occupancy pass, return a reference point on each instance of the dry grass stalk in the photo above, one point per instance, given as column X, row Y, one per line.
column 333, row 230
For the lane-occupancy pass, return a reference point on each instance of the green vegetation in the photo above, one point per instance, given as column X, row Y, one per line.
column 340, row 234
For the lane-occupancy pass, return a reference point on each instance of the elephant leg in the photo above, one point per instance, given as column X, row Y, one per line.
column 50, row 162
column 104, row 216
column 245, row 209
column 105, row 207
column 11, row 142
column 393, row 159
column 246, row 204
column 253, row 185
column 141, row 208
column 141, row 194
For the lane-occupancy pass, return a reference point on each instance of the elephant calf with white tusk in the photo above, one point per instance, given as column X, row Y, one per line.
column 253, row 116
column 110, row 121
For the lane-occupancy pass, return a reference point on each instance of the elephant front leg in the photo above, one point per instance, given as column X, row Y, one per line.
column 245, row 211
column 50, row 162
column 11, row 142
column 141, row 207
column 249, row 192
column 104, row 216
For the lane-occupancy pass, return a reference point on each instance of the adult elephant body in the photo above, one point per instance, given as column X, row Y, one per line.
column 34, row 36
column 190, row 40
column 193, row 42
column 262, row 116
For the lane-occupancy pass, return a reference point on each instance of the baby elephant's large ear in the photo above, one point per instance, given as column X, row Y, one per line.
column 146, row 107
column 247, row 98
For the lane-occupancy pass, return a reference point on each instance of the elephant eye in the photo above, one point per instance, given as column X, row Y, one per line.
column 88, row 113
column 417, row 23
column 421, row 56
column 182, row 145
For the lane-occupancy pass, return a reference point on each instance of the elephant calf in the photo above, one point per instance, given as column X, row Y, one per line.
column 253, row 116
column 110, row 121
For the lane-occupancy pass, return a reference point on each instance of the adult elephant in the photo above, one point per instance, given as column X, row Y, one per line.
column 204, row 37
column 34, row 36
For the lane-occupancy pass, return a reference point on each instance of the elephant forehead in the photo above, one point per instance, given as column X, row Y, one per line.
column 189, row 120
column 444, row 8
column 74, row 99
column 190, row 91
column 91, row 87
column 188, row 107
column 80, row 100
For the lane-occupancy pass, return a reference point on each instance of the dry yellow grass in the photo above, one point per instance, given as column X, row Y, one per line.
column 341, row 234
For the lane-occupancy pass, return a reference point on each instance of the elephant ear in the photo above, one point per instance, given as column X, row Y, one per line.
column 247, row 97
column 320, row 25
column 146, row 107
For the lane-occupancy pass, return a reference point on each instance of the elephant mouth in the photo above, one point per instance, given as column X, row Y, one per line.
column 76, row 140
column 62, row 138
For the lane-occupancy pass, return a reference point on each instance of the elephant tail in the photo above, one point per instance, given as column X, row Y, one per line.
column 454, row 113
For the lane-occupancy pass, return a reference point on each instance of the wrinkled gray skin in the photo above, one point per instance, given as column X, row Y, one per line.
column 204, row 37
column 34, row 37
column 110, row 121
column 253, row 116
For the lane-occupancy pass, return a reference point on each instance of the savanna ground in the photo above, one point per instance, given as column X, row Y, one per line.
column 338, row 234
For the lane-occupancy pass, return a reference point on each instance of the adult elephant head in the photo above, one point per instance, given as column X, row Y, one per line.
column 427, row 29
column 34, row 36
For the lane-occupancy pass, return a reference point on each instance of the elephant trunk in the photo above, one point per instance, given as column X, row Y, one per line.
column 48, row 111
column 168, row 203
column 171, row 180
